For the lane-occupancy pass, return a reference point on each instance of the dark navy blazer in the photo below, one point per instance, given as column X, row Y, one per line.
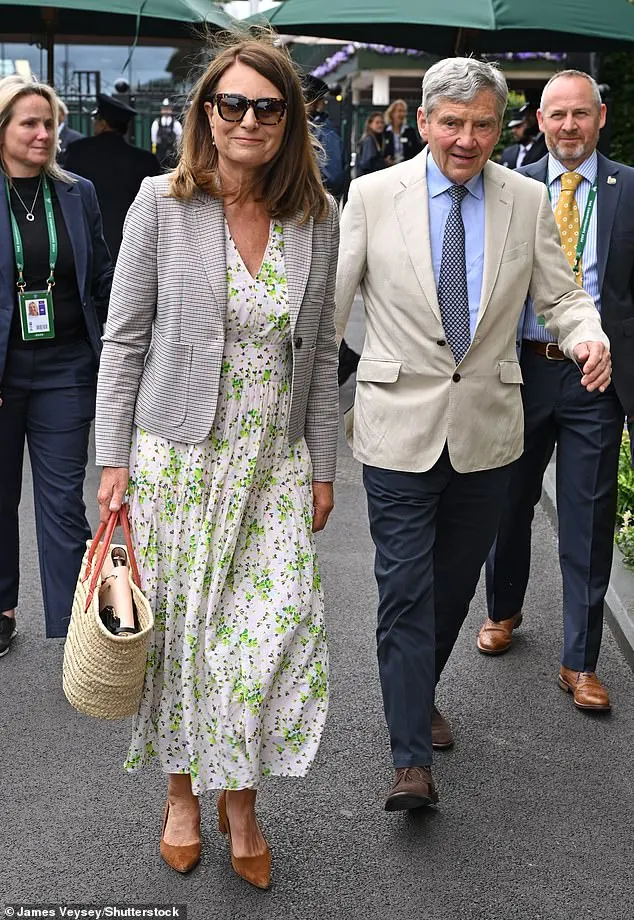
column 93, row 265
column 615, row 255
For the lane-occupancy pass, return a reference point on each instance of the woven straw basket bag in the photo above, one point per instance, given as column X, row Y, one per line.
column 103, row 673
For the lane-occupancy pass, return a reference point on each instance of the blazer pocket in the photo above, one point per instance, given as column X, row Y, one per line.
column 510, row 372
column 517, row 252
column 371, row 370
column 164, row 388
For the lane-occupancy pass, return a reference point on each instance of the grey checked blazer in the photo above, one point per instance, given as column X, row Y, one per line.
column 164, row 338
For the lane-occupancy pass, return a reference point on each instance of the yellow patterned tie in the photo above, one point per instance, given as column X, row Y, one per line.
column 567, row 217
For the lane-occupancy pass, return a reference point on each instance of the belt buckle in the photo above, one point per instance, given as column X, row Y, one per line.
column 550, row 357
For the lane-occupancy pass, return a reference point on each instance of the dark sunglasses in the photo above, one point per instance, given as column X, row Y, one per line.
column 234, row 106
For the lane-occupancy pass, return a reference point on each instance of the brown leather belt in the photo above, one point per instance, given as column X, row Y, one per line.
column 545, row 349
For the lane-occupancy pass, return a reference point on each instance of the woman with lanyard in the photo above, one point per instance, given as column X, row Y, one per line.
column 401, row 141
column 55, row 276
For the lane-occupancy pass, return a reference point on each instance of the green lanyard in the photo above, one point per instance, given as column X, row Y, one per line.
column 585, row 223
column 18, row 247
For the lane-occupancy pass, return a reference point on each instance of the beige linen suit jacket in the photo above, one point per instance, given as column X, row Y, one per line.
column 164, row 337
column 411, row 398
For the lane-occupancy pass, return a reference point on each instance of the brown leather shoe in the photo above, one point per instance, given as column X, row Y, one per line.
column 441, row 736
column 413, row 788
column 587, row 690
column 495, row 638
column 181, row 858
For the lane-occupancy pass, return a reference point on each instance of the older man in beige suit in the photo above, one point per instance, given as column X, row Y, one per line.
column 446, row 248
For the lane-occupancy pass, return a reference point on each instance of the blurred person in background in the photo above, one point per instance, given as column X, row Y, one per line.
column 114, row 166
column 52, row 252
column 165, row 133
column 334, row 176
column 331, row 164
column 66, row 135
column 533, row 140
column 400, row 140
column 510, row 154
column 371, row 151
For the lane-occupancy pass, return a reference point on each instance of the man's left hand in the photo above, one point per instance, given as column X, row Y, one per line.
column 595, row 364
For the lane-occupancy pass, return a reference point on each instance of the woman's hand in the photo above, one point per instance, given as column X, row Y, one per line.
column 323, row 503
column 112, row 489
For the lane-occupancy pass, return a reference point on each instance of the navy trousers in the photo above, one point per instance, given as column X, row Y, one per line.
column 432, row 532
column 48, row 399
column 587, row 429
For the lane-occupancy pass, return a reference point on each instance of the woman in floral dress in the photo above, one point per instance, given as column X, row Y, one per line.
column 217, row 413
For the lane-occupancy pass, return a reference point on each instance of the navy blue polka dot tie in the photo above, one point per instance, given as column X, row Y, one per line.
column 453, row 293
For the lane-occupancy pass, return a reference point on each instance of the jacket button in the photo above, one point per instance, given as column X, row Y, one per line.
column 298, row 341
column 456, row 378
column 441, row 342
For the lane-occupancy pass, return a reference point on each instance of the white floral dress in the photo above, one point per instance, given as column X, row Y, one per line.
column 236, row 686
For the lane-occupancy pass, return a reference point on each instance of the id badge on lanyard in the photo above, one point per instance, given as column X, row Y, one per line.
column 37, row 319
column 37, row 316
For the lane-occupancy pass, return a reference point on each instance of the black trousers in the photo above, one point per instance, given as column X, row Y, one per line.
column 432, row 532
column 48, row 401
column 587, row 429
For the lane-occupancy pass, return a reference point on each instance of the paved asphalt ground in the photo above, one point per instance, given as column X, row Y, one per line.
column 536, row 814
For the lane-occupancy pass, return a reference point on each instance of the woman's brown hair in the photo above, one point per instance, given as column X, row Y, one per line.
column 290, row 182
column 367, row 131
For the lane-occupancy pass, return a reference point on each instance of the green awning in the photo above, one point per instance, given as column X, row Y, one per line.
column 111, row 18
column 181, row 10
column 108, row 20
column 439, row 26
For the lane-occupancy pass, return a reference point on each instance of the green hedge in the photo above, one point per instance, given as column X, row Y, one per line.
column 625, row 506
column 617, row 70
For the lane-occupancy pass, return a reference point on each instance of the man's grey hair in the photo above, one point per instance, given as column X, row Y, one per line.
column 63, row 108
column 460, row 80
column 596, row 93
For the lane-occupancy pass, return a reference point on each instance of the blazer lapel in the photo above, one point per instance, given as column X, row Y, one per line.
column 69, row 198
column 7, row 259
column 498, row 207
column 412, row 212
column 208, row 229
column 298, row 250
column 608, row 194
column 537, row 170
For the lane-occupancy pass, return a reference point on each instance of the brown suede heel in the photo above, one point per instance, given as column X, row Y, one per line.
column 253, row 869
column 184, row 858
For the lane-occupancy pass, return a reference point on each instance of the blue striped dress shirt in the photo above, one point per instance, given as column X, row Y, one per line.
column 589, row 263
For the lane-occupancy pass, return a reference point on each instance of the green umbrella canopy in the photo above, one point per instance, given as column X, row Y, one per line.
column 110, row 18
column 444, row 26
column 107, row 20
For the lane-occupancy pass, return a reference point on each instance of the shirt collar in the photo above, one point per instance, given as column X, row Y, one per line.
column 588, row 169
column 437, row 182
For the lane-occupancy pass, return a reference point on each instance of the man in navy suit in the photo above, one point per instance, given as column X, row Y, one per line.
column 114, row 166
column 509, row 155
column 586, row 427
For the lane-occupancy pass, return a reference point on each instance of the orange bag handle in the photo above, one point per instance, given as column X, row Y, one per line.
column 106, row 531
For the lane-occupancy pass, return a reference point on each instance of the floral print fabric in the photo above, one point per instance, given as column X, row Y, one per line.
column 236, row 684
